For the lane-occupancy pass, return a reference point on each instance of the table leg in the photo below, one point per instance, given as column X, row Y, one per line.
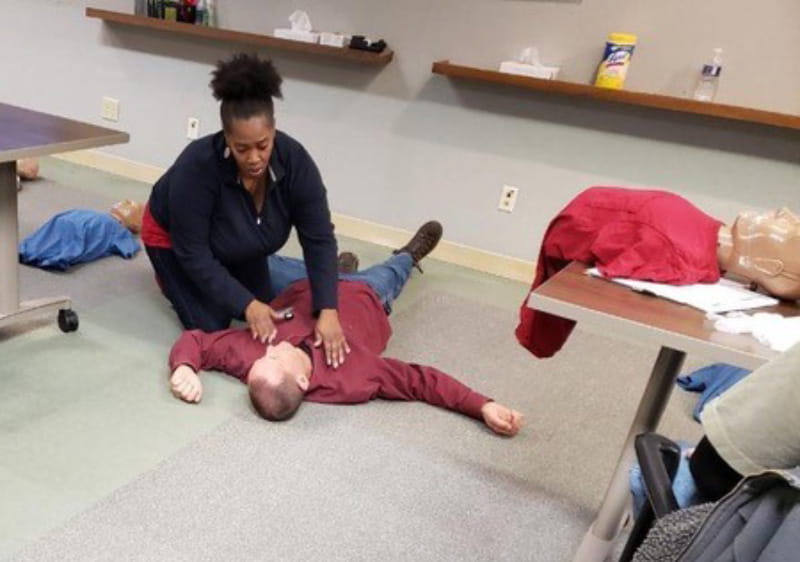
column 599, row 539
column 11, row 310
column 9, row 273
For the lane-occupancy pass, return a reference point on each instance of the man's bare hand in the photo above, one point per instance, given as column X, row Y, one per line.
column 185, row 384
column 501, row 419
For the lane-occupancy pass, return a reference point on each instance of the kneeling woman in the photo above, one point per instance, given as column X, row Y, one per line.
column 229, row 201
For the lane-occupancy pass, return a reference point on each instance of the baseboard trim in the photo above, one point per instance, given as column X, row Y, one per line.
column 114, row 165
column 351, row 227
column 450, row 252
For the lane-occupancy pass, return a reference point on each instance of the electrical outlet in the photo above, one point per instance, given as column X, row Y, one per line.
column 109, row 109
column 192, row 128
column 508, row 198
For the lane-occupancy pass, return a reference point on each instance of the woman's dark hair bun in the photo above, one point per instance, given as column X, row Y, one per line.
column 245, row 77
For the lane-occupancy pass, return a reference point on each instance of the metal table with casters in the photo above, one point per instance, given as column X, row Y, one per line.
column 28, row 134
column 617, row 311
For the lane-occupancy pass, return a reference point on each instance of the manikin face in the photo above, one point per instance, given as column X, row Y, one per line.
column 250, row 141
column 129, row 214
column 766, row 250
column 280, row 362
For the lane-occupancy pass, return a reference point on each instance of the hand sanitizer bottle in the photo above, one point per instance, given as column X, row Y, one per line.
column 706, row 88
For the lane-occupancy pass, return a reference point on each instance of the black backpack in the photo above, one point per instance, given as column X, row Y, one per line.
column 759, row 520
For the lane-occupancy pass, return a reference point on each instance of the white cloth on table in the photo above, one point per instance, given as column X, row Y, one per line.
column 773, row 330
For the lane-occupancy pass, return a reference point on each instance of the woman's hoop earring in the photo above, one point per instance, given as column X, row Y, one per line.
column 227, row 153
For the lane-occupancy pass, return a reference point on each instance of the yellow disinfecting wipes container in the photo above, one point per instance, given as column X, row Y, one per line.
column 616, row 60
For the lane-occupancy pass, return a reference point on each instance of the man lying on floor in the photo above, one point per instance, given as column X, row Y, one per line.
column 292, row 367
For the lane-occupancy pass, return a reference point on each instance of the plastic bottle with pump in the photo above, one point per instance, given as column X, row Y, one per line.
column 706, row 89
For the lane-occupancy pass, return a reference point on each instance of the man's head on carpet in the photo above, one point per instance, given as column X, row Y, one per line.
column 278, row 380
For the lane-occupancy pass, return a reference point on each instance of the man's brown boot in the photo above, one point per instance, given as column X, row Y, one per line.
column 423, row 242
column 348, row 262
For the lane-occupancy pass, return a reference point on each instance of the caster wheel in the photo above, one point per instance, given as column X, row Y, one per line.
column 67, row 320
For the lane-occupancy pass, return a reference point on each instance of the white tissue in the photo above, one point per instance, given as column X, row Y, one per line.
column 773, row 330
column 300, row 30
column 528, row 64
column 300, row 21
column 530, row 55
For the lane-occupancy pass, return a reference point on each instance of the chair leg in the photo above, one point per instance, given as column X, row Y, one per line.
column 638, row 533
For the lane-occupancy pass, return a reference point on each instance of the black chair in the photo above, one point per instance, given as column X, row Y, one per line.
column 658, row 458
column 757, row 521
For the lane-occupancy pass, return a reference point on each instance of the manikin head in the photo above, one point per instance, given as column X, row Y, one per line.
column 28, row 168
column 278, row 380
column 129, row 214
column 764, row 248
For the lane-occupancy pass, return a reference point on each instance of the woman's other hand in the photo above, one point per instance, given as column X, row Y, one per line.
column 329, row 333
column 261, row 320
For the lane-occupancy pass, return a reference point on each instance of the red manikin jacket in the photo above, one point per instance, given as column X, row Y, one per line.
column 635, row 233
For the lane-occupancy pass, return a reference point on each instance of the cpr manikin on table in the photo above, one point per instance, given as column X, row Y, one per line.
column 764, row 248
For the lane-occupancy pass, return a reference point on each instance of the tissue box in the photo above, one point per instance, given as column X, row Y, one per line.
column 333, row 39
column 514, row 67
column 297, row 35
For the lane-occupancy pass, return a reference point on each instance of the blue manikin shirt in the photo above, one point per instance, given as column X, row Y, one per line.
column 74, row 237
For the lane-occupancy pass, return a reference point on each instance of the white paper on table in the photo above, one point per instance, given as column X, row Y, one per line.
column 723, row 296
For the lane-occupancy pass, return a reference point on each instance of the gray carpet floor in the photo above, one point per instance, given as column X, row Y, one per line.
column 382, row 480
column 396, row 480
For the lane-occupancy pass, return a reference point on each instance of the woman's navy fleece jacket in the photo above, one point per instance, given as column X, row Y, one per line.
column 219, row 238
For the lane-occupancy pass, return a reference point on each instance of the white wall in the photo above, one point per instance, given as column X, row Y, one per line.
column 399, row 145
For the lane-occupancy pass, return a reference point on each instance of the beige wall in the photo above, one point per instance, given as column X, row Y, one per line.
column 399, row 145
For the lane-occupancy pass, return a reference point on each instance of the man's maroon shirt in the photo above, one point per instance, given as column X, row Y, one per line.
column 365, row 375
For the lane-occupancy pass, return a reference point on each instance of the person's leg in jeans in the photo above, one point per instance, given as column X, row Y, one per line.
column 284, row 271
column 387, row 279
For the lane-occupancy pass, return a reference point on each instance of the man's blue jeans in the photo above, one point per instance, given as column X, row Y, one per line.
column 387, row 279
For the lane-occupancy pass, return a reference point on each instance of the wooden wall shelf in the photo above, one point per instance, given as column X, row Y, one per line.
column 230, row 36
column 669, row 103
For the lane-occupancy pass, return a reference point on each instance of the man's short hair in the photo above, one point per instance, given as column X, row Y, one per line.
column 275, row 402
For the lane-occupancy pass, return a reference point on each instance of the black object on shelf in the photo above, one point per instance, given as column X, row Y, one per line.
column 172, row 10
column 363, row 44
column 187, row 13
column 155, row 9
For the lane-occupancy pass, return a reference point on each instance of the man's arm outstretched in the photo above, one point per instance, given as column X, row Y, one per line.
column 200, row 351
column 409, row 381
